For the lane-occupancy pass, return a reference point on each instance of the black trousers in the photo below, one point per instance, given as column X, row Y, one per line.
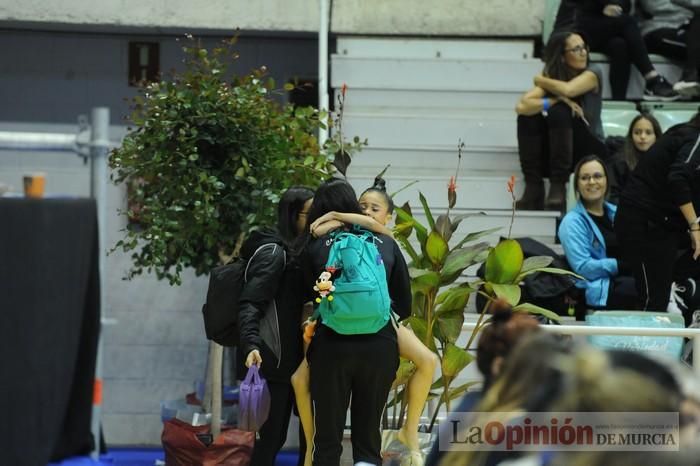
column 623, row 294
column 650, row 249
column 681, row 43
column 273, row 433
column 619, row 38
column 539, row 141
column 361, row 366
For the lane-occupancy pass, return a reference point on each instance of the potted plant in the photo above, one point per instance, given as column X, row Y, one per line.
column 440, row 298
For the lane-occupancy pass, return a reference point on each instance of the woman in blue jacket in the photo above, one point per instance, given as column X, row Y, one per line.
column 590, row 244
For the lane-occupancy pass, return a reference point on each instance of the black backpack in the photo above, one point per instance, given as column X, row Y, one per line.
column 220, row 311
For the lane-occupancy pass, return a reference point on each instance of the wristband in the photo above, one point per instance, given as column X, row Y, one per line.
column 545, row 105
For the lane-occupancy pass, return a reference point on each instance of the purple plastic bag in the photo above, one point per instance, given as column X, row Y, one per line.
column 253, row 401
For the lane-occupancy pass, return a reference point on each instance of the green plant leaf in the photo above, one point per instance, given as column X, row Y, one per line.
column 458, row 219
column 533, row 309
column 443, row 227
column 450, row 325
column 454, row 360
column 475, row 236
column 457, row 392
column 511, row 293
column 426, row 209
column 454, row 299
column 403, row 373
column 436, row 248
column 536, row 262
column 403, row 216
column 423, row 280
column 553, row 270
column 504, row 262
column 460, row 259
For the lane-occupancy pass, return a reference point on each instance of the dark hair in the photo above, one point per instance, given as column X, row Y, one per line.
column 630, row 152
column 379, row 186
column 290, row 205
column 585, row 160
column 334, row 194
column 554, row 65
column 647, row 367
column 499, row 337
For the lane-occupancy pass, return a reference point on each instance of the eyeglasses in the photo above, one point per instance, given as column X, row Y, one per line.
column 595, row 177
column 579, row 49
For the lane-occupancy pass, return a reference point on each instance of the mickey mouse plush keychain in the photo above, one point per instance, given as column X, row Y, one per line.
column 324, row 286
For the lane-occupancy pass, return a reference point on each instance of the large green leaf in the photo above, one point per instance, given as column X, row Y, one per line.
column 423, row 280
column 536, row 262
column 550, row 270
column 533, row 309
column 460, row 259
column 475, row 236
column 511, row 293
column 458, row 219
column 444, row 227
column 450, row 325
column 404, row 221
column 436, row 248
column 454, row 360
column 404, row 372
column 457, row 392
column 403, row 216
column 426, row 209
column 454, row 299
column 420, row 328
column 504, row 262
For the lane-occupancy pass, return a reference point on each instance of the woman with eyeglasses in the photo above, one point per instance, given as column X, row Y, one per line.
column 558, row 120
column 656, row 215
column 590, row 243
column 614, row 32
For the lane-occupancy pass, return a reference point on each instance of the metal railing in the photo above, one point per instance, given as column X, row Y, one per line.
column 692, row 333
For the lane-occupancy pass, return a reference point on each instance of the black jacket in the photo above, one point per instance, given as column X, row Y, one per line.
column 595, row 7
column 316, row 254
column 667, row 177
column 270, row 306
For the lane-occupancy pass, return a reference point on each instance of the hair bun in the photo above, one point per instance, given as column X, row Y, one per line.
column 379, row 184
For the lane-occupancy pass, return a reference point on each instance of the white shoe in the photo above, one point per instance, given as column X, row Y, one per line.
column 687, row 88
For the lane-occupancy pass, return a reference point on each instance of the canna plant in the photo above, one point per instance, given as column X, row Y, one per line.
column 440, row 297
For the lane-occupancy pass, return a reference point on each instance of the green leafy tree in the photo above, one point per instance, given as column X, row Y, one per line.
column 209, row 157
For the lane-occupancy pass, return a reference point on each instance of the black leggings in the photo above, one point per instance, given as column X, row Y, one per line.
column 650, row 250
column 681, row 44
column 273, row 432
column 619, row 38
column 363, row 366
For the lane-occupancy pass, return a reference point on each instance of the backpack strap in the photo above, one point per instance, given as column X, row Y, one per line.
column 260, row 248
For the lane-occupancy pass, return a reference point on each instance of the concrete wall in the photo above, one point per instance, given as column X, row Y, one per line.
column 54, row 76
column 408, row 17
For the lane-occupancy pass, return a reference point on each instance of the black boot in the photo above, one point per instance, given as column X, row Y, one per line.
column 531, row 132
column 533, row 197
column 561, row 154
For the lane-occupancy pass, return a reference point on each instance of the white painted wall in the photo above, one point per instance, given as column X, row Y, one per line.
column 389, row 17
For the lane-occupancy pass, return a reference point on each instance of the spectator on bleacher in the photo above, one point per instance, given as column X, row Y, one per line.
column 656, row 216
column 612, row 31
column 558, row 120
column 643, row 132
column 671, row 28
column 590, row 243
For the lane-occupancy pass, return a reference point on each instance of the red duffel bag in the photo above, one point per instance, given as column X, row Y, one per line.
column 186, row 445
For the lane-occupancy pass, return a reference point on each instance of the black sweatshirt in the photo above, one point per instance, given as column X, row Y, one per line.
column 667, row 177
column 270, row 308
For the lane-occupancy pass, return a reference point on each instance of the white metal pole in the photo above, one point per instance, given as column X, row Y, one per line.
column 99, row 149
column 323, row 64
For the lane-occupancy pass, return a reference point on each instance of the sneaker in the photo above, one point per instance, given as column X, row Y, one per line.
column 687, row 88
column 683, row 297
column 658, row 88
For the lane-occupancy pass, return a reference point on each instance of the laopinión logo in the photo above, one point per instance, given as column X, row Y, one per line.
column 560, row 431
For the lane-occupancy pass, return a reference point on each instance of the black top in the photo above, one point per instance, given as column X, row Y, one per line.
column 264, row 324
column 666, row 178
column 595, row 7
column 314, row 260
column 605, row 225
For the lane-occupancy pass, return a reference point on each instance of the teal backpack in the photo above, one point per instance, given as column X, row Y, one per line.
column 357, row 302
